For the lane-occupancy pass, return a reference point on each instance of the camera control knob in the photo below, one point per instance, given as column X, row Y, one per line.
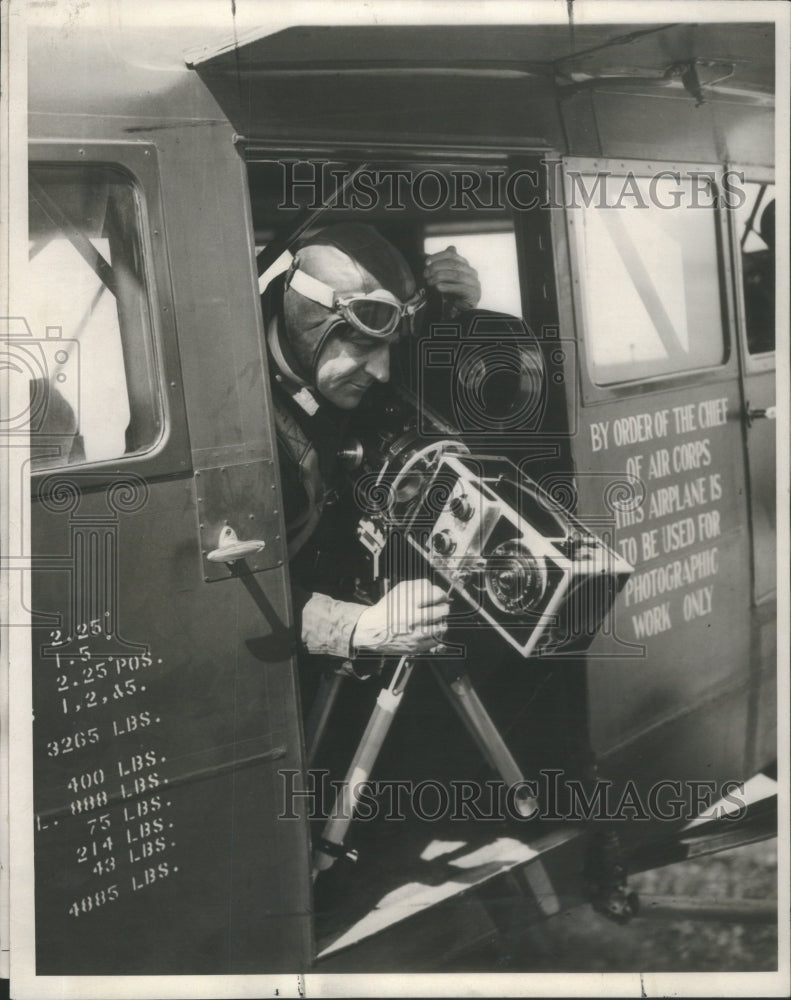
column 461, row 507
column 579, row 547
column 443, row 542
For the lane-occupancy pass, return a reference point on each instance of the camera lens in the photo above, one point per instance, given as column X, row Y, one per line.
column 515, row 580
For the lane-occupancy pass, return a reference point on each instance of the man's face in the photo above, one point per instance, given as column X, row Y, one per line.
column 349, row 360
column 350, row 363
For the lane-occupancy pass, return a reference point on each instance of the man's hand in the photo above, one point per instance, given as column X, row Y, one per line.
column 410, row 618
column 454, row 278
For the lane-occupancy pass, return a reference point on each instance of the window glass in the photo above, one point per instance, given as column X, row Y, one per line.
column 493, row 255
column 649, row 277
column 755, row 228
column 88, row 309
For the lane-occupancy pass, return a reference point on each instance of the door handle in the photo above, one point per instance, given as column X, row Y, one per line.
column 770, row 413
column 230, row 548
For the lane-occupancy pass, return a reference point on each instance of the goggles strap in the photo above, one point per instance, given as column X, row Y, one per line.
column 311, row 288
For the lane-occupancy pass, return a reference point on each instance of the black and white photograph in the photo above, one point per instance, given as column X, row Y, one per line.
column 395, row 460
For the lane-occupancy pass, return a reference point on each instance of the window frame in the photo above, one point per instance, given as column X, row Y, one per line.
column 767, row 360
column 593, row 391
column 169, row 454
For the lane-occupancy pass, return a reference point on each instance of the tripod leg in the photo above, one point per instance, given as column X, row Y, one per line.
column 465, row 700
column 362, row 764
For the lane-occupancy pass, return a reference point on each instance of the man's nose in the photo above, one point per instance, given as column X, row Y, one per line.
column 378, row 364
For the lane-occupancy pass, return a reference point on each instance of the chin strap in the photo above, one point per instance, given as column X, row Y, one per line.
column 296, row 387
column 273, row 340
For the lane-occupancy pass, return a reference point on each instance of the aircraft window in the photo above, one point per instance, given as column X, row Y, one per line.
column 87, row 290
column 755, row 226
column 493, row 255
column 649, row 277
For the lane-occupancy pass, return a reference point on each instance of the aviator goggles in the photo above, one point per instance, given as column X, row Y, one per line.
column 376, row 314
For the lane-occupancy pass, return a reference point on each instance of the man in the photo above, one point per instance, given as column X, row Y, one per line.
column 330, row 323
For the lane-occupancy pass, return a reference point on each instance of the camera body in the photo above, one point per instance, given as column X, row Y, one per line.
column 525, row 568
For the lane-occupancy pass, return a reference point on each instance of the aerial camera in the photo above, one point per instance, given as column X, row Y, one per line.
column 523, row 564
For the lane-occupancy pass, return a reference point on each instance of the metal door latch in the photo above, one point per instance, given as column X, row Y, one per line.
column 770, row 413
column 230, row 548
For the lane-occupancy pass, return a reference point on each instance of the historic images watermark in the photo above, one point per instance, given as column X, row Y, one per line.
column 501, row 188
column 552, row 796
column 44, row 375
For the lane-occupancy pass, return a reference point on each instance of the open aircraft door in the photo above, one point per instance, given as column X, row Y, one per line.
column 164, row 690
column 657, row 447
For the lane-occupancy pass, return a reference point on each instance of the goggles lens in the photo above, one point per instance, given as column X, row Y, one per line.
column 377, row 313
column 378, row 317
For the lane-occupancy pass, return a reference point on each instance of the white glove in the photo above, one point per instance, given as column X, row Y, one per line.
column 410, row 618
